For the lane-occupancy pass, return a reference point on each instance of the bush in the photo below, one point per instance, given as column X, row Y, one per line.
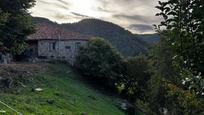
column 136, row 77
column 100, row 62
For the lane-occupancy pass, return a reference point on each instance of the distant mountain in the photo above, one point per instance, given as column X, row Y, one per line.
column 120, row 38
column 149, row 38
column 43, row 20
column 126, row 42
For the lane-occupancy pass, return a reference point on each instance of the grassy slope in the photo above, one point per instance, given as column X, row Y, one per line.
column 71, row 96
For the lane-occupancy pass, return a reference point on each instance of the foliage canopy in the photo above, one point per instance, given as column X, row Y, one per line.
column 15, row 25
column 99, row 61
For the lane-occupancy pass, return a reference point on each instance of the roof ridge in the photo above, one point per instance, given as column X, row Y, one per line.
column 53, row 32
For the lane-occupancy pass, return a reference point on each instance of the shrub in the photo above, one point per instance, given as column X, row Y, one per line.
column 100, row 62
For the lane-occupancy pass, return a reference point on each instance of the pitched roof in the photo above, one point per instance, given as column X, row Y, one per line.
column 52, row 32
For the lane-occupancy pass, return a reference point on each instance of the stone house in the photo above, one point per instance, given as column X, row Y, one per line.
column 55, row 43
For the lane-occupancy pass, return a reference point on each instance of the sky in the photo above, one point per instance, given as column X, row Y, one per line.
column 137, row 16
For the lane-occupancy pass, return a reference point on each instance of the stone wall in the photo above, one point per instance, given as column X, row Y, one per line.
column 60, row 50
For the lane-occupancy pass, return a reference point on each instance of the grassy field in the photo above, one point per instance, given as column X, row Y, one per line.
column 64, row 93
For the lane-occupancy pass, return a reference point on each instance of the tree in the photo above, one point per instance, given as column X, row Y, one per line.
column 183, row 19
column 161, row 69
column 166, row 92
column 99, row 61
column 177, row 74
column 184, row 24
column 3, row 20
column 17, row 24
column 182, row 102
column 136, row 76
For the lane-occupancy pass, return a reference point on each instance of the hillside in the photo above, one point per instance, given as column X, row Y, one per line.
column 123, row 40
column 149, row 38
column 51, row 89
column 120, row 38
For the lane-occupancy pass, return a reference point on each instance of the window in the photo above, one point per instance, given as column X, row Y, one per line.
column 31, row 51
column 52, row 46
column 77, row 45
column 68, row 47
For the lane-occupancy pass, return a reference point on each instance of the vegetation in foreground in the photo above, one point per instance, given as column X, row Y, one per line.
column 169, row 82
column 63, row 93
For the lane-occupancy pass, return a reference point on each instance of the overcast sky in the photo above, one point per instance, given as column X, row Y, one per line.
column 138, row 16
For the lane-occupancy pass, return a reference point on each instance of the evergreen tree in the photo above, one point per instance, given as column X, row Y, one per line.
column 17, row 24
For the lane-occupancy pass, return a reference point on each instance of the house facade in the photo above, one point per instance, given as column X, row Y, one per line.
column 54, row 43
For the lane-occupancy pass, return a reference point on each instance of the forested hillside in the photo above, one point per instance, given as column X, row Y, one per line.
column 120, row 38
column 149, row 38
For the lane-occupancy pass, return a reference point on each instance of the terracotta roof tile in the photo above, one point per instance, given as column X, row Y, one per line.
column 50, row 32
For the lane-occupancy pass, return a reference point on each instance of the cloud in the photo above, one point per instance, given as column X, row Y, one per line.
column 134, row 15
column 102, row 9
column 80, row 15
column 141, row 27
column 138, row 18
column 64, row 2
column 57, row 4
